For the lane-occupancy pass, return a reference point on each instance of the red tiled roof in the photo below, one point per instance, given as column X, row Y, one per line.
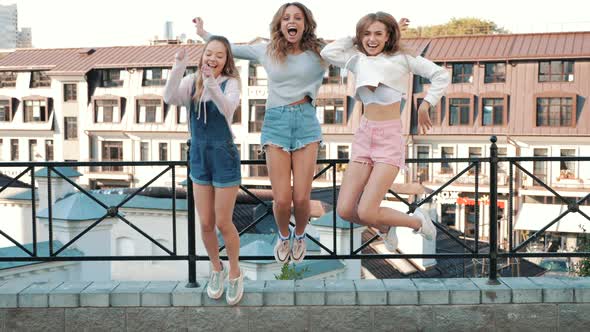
column 508, row 46
column 77, row 61
column 441, row 49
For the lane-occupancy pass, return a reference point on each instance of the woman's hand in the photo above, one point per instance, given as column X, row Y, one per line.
column 199, row 25
column 424, row 123
column 403, row 23
column 180, row 55
column 206, row 71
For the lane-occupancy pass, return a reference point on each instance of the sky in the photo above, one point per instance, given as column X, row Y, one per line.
column 84, row 23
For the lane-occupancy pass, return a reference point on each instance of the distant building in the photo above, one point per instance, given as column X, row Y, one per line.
column 11, row 36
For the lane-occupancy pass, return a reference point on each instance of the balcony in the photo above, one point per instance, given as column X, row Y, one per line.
column 343, row 304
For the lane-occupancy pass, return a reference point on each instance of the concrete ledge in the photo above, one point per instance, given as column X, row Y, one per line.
column 392, row 292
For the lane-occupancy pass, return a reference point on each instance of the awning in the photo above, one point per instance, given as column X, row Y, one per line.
column 533, row 217
column 469, row 201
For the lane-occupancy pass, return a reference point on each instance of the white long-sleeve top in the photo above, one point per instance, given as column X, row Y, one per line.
column 178, row 91
column 390, row 70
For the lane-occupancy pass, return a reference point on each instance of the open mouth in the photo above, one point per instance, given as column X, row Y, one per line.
column 372, row 46
column 292, row 31
column 212, row 65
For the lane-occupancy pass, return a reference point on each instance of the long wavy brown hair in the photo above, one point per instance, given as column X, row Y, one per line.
column 229, row 69
column 393, row 44
column 279, row 46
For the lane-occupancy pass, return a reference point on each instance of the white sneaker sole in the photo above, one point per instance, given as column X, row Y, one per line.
column 276, row 254
column 215, row 296
column 237, row 300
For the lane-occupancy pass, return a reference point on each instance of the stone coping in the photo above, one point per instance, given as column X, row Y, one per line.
column 398, row 292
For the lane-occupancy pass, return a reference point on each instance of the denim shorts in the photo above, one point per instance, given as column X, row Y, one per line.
column 291, row 127
column 215, row 162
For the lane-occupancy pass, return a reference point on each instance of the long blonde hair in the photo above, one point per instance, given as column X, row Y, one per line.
column 278, row 46
column 393, row 44
column 229, row 69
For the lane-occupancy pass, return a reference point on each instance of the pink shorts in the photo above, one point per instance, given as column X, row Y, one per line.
column 379, row 142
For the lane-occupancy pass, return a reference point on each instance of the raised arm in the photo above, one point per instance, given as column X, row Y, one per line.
column 227, row 101
column 339, row 52
column 247, row 52
column 178, row 89
column 438, row 76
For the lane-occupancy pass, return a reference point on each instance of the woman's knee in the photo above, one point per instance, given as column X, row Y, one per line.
column 345, row 212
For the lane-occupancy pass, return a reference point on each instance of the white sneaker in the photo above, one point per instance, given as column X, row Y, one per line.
column 389, row 239
column 215, row 284
column 299, row 249
column 428, row 230
column 282, row 250
column 235, row 289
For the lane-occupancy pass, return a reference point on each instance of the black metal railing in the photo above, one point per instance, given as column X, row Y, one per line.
column 474, row 167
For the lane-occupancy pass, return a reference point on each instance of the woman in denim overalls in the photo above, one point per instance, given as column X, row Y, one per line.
column 212, row 95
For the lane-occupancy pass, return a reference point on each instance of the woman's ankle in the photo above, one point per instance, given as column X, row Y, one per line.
column 234, row 273
column 217, row 265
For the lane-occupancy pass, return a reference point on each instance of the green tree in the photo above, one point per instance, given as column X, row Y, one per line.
column 582, row 267
column 457, row 27
column 289, row 272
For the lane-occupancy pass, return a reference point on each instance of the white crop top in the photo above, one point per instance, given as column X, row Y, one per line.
column 383, row 95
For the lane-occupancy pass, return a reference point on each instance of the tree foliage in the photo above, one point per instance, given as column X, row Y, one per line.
column 457, row 27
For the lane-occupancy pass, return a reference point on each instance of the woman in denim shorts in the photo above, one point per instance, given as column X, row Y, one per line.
column 212, row 95
column 381, row 69
column 291, row 132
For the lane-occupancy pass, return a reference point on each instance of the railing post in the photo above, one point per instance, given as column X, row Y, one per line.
column 190, row 206
column 493, row 261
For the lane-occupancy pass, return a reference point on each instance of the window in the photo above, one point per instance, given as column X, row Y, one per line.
column 190, row 70
column 342, row 152
column 257, row 76
column 495, row 73
column 237, row 119
column 14, row 149
column 48, row 149
column 106, row 111
column 330, row 111
column 1, row 149
column 423, row 168
column 446, row 152
column 149, row 111
column 39, row 79
column 70, row 92
column 36, row 111
column 112, row 151
column 257, row 170
column 555, row 112
column 556, row 71
column 71, row 127
column 432, row 112
column 110, row 78
column 257, row 108
column 492, row 112
column 144, row 151
column 462, row 73
column 184, row 151
column 7, row 79
column 332, row 76
column 474, row 152
column 163, row 151
column 32, row 149
column 459, row 111
column 5, row 110
column 567, row 169
column 125, row 246
column 322, row 154
column 448, row 214
column 181, row 115
column 155, row 76
column 540, row 167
